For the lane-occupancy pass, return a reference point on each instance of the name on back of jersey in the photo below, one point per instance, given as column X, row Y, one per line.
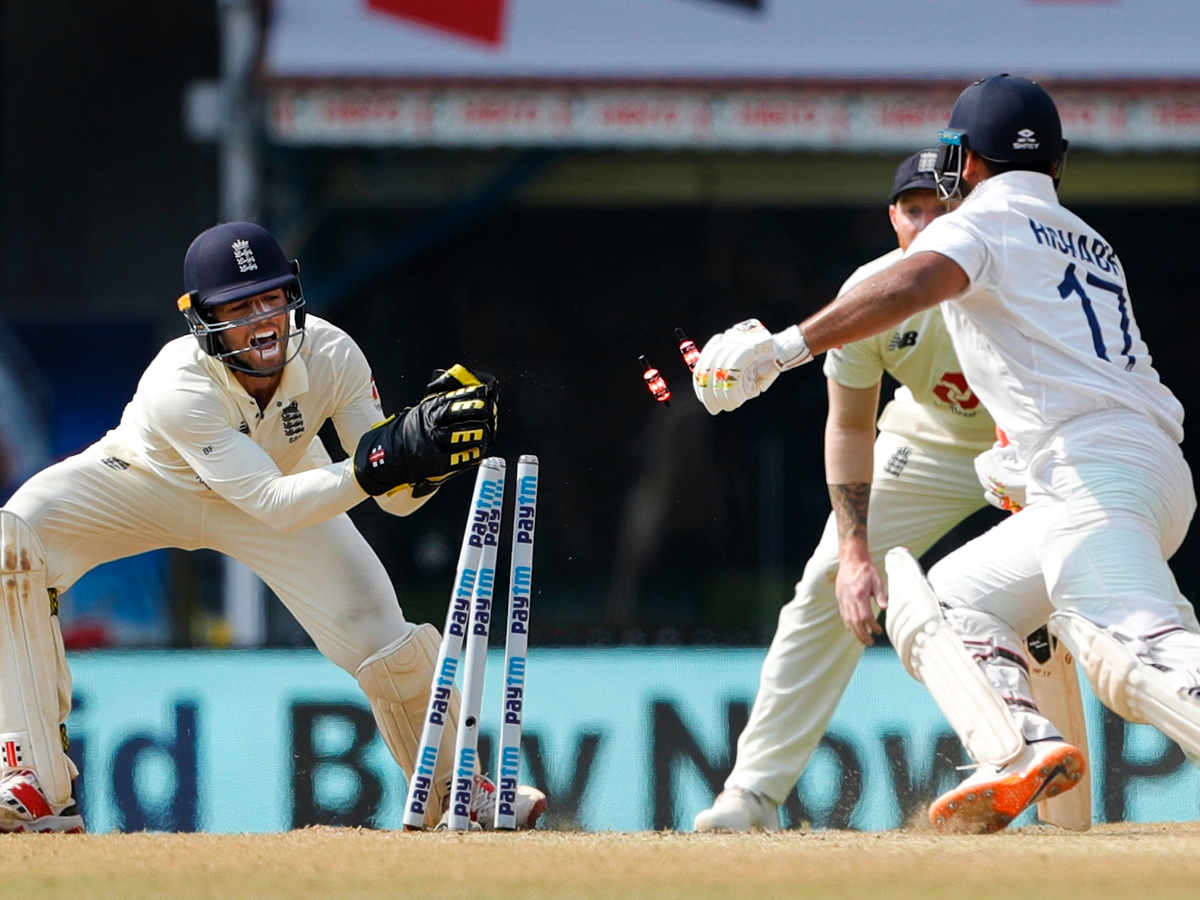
column 1084, row 247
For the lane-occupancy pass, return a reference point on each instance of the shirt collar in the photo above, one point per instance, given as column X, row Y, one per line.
column 295, row 378
column 1033, row 184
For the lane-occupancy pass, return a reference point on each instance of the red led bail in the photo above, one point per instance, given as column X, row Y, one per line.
column 691, row 355
column 655, row 382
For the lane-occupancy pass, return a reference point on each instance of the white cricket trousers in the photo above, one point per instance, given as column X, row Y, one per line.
column 919, row 492
column 87, row 512
column 1110, row 498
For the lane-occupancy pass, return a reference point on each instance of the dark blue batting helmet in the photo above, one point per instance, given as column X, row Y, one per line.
column 1007, row 120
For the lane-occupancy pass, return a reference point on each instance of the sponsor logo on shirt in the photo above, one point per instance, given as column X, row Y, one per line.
column 954, row 391
column 113, row 463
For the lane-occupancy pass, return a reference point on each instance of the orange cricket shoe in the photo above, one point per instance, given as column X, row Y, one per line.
column 993, row 796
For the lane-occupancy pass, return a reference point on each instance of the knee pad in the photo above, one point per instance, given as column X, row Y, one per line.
column 398, row 681
column 934, row 654
column 32, row 665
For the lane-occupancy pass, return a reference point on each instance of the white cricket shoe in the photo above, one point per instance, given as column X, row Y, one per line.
column 530, row 805
column 739, row 810
column 24, row 808
column 992, row 797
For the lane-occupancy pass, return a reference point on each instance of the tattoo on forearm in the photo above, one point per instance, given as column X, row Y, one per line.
column 850, row 503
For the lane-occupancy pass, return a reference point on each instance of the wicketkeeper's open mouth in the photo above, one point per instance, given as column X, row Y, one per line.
column 266, row 343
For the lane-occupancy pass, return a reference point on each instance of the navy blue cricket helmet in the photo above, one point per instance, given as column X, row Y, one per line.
column 234, row 261
column 1007, row 120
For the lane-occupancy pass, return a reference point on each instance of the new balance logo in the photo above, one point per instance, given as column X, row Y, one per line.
column 244, row 256
column 113, row 463
column 907, row 339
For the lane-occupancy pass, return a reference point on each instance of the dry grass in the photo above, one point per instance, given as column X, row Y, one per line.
column 1112, row 861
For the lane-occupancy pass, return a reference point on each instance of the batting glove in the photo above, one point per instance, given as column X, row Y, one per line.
column 1003, row 477
column 744, row 361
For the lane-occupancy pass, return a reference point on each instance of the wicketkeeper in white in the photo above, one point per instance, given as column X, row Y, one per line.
column 910, row 485
column 218, row 449
column 1038, row 309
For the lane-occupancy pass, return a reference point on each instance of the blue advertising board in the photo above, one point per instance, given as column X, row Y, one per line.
column 621, row 739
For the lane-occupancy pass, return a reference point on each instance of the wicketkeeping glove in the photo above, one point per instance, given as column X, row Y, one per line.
column 743, row 361
column 446, row 433
column 455, row 377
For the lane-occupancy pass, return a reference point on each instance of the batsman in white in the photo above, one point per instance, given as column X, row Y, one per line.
column 1038, row 309
column 218, row 449
column 910, row 485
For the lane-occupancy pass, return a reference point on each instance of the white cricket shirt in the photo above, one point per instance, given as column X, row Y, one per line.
column 1046, row 331
column 191, row 423
column 935, row 401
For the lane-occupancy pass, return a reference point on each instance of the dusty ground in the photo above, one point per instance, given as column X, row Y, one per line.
column 1130, row 862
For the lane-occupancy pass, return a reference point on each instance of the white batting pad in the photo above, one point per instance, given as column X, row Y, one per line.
column 397, row 681
column 1133, row 689
column 30, row 651
column 934, row 655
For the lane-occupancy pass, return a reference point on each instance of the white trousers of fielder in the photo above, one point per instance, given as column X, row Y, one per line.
column 812, row 655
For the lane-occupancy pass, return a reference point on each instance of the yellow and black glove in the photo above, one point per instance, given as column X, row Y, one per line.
column 446, row 433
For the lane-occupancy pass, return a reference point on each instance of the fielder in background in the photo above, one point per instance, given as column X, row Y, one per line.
column 218, row 449
column 1038, row 309
column 910, row 485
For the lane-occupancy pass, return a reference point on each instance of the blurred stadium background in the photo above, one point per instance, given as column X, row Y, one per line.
column 543, row 189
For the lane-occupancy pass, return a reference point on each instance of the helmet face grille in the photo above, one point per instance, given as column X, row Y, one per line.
column 947, row 170
column 208, row 333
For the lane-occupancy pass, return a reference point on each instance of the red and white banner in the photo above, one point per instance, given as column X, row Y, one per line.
column 841, row 118
column 870, row 75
